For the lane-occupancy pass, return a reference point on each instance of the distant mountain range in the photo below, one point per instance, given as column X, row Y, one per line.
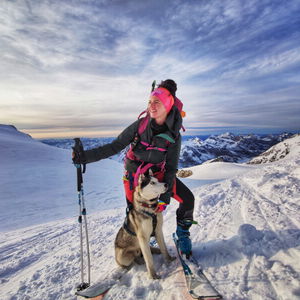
column 196, row 150
column 227, row 147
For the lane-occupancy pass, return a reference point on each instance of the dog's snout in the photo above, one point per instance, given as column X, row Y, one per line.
column 166, row 185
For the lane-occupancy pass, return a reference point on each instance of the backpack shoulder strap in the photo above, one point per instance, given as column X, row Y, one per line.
column 143, row 123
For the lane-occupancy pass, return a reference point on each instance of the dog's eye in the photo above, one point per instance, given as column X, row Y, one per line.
column 152, row 182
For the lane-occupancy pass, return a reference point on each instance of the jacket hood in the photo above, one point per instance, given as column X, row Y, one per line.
column 174, row 122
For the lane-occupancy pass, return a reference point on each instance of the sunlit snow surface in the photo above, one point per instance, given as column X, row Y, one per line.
column 248, row 238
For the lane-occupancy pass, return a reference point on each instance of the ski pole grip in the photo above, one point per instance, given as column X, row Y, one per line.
column 79, row 151
column 78, row 147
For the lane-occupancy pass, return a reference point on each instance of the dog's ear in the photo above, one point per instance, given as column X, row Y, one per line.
column 141, row 178
column 150, row 173
column 144, row 180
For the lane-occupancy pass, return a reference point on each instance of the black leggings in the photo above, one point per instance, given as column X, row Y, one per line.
column 186, row 207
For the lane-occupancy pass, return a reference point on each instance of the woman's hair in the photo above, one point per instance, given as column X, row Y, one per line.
column 170, row 85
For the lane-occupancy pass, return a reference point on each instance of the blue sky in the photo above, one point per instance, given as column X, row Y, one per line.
column 85, row 68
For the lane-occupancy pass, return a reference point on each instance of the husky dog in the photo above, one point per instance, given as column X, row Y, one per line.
column 133, row 238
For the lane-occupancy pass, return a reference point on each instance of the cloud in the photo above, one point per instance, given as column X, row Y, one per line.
column 253, row 110
column 266, row 65
column 64, row 61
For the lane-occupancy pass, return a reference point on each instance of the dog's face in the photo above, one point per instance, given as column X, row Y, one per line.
column 150, row 187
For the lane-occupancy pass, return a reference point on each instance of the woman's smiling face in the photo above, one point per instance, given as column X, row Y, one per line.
column 156, row 109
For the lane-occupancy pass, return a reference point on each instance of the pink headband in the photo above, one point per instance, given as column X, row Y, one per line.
column 165, row 97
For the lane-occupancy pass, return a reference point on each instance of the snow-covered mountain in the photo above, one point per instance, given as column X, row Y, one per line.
column 247, row 241
column 277, row 152
column 226, row 147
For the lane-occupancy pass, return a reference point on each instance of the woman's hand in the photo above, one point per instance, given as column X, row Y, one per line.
column 78, row 155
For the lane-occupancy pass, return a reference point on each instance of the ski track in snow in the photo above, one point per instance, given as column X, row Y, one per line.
column 254, row 258
column 247, row 241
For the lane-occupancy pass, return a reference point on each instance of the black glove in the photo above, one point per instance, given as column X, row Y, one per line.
column 78, row 155
column 165, row 197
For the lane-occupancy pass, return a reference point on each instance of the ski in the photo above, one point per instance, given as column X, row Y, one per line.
column 98, row 290
column 199, row 287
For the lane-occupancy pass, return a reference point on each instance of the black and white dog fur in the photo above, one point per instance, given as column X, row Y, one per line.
column 129, row 247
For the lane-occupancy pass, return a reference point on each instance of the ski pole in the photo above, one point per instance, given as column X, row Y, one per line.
column 82, row 219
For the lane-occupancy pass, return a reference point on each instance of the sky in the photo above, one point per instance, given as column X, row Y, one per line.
column 85, row 68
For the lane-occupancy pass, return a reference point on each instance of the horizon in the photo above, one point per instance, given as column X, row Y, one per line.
column 85, row 68
column 188, row 133
column 184, row 135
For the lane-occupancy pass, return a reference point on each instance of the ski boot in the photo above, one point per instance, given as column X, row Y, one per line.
column 184, row 241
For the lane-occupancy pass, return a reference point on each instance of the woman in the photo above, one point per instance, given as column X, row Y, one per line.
column 155, row 144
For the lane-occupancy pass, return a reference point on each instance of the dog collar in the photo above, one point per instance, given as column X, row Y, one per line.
column 149, row 205
column 154, row 205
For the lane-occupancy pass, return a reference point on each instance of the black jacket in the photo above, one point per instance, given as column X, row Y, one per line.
column 171, row 128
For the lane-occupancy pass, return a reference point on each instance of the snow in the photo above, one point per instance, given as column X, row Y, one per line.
column 218, row 170
column 278, row 151
column 38, row 181
column 248, row 238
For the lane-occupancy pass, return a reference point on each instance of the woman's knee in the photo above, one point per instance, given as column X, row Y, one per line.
column 185, row 194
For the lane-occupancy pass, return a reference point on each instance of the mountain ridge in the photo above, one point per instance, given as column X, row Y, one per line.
column 278, row 151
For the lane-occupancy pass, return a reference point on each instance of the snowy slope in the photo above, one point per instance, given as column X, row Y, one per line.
column 37, row 181
column 250, row 235
column 277, row 152
column 248, row 241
